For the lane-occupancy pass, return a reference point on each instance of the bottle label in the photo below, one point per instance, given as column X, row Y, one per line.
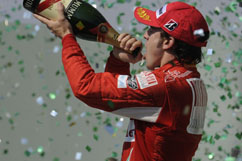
column 48, row 8
column 72, row 8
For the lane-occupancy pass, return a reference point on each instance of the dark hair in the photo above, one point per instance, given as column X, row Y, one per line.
column 185, row 53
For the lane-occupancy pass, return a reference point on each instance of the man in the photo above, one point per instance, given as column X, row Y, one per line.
column 166, row 105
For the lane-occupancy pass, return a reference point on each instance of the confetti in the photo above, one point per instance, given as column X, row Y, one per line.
column 52, row 96
column 210, row 52
column 31, row 77
column 53, row 113
column 40, row 100
column 78, row 156
column 24, row 141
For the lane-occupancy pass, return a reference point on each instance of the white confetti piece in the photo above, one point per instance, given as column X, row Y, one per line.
column 68, row 108
column 36, row 28
column 83, row 114
column 40, row 100
column 78, row 156
column 53, row 113
column 56, row 49
column 27, row 15
column 24, row 141
column 210, row 52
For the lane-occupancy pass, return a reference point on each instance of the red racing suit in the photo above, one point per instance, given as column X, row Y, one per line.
column 166, row 106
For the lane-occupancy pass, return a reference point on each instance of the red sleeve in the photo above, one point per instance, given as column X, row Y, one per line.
column 116, row 93
column 115, row 65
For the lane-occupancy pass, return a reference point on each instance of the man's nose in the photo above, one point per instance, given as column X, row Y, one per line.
column 144, row 56
column 146, row 36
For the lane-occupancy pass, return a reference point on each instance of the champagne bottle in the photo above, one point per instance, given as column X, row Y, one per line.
column 87, row 22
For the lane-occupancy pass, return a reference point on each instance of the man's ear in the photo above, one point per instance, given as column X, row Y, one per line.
column 168, row 43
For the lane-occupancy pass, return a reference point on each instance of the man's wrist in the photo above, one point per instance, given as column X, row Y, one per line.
column 66, row 33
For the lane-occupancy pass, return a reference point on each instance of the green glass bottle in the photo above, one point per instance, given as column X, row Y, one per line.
column 87, row 22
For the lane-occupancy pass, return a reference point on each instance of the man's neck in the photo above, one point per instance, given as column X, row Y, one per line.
column 166, row 58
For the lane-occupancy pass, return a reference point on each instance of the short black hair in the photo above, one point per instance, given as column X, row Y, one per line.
column 185, row 53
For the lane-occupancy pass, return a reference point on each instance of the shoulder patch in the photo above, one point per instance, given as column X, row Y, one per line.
column 146, row 79
column 132, row 83
column 122, row 81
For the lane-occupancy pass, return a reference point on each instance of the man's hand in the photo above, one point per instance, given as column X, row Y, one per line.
column 59, row 27
column 127, row 42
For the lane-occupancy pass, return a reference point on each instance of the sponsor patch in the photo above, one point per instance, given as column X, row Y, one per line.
column 132, row 83
column 146, row 79
column 171, row 76
column 160, row 11
column 171, row 25
column 143, row 14
column 122, row 81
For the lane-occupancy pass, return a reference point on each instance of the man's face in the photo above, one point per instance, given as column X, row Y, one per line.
column 153, row 46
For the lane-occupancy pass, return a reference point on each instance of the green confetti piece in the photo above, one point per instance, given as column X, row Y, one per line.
column 52, row 96
column 68, row 95
column 194, row 159
column 28, row 26
column 21, row 69
column 229, row 159
column 114, row 154
column 69, row 118
column 107, row 122
column 146, row 6
column 224, row 70
column 211, row 121
column 120, row 1
column 110, row 5
column 240, row 18
column 11, row 121
column 20, row 62
column 109, row 48
column 95, row 129
column 223, row 97
column 5, row 151
column 210, row 140
column 220, row 148
column 88, row 148
column 10, row 48
column 217, row 136
column 137, row 3
column 224, row 137
column 96, row 137
column 40, row 149
column 27, row 153
column 229, row 95
column 119, row 21
column 238, row 135
column 133, row 71
column 237, row 94
column 56, row 159
column 227, row 44
column 207, row 67
column 231, row 7
column 194, row 4
column 217, row 65
column 209, row 20
column 110, row 104
column 42, row 154
column 57, row 73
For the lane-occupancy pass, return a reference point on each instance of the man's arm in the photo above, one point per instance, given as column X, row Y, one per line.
column 116, row 93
